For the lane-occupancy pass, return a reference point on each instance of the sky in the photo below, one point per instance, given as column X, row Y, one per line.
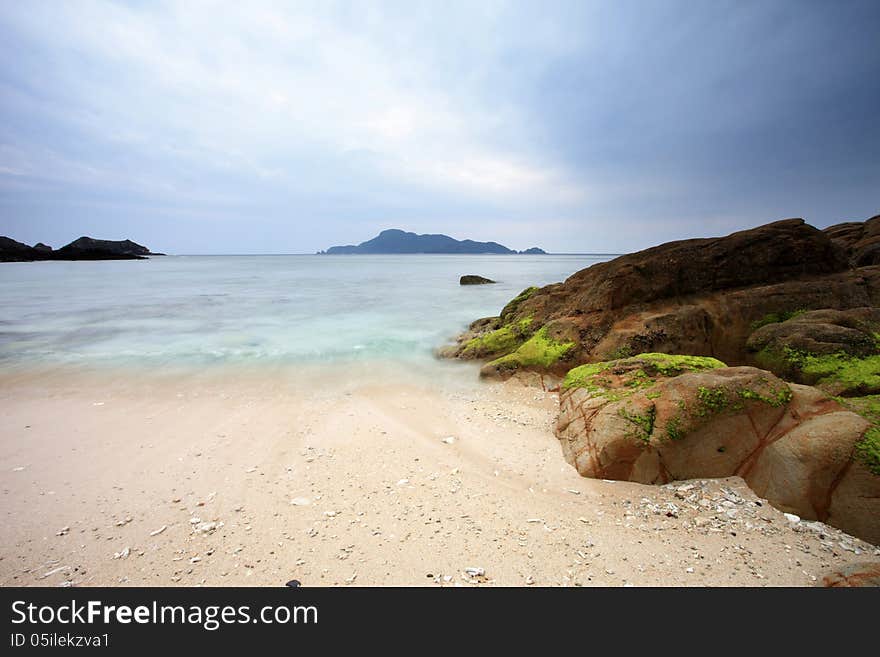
column 288, row 127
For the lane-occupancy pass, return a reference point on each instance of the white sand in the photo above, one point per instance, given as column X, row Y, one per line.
column 115, row 457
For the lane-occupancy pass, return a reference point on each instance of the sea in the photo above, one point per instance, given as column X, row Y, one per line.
column 207, row 311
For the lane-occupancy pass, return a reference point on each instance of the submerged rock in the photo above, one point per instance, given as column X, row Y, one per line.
column 473, row 279
column 654, row 418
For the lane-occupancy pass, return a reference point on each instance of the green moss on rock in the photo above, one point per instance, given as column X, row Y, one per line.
column 867, row 450
column 653, row 364
column 642, row 423
column 673, row 365
column 539, row 351
column 852, row 374
column 514, row 304
column 775, row 318
column 500, row 341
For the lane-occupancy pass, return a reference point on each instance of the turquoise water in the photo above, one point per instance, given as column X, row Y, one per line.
column 201, row 310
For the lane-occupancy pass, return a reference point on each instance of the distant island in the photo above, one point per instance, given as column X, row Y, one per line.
column 84, row 248
column 397, row 241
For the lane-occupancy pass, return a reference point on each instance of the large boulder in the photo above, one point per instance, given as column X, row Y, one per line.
column 698, row 297
column 655, row 418
column 836, row 350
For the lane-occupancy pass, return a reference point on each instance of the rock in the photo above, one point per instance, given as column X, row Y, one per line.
column 836, row 350
column 855, row 574
column 84, row 248
column 473, row 279
column 12, row 251
column 697, row 297
column 860, row 240
column 652, row 421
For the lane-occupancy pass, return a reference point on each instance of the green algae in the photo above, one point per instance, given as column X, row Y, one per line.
column 776, row 318
column 539, row 351
column 514, row 304
column 846, row 374
column 642, row 423
column 500, row 341
column 866, row 450
column 667, row 365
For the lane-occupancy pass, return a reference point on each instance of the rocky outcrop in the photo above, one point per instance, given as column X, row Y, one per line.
column 88, row 248
column 656, row 418
column 473, row 279
column 84, row 248
column 859, row 239
column 836, row 350
column 12, row 251
column 698, row 297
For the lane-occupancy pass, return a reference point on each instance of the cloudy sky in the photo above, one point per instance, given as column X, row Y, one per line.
column 233, row 127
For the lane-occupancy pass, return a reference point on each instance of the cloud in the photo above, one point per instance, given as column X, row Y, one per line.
column 504, row 115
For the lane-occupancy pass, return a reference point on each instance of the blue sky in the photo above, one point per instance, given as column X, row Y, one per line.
column 209, row 127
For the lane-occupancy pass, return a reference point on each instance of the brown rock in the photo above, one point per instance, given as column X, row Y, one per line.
column 697, row 297
column 792, row 444
column 854, row 574
column 860, row 240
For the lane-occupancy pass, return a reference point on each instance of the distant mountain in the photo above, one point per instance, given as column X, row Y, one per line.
column 84, row 248
column 398, row 241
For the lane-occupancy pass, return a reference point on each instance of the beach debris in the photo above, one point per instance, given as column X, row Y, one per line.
column 123, row 522
column 300, row 501
column 53, row 571
column 350, row 580
column 63, row 531
column 530, row 580
column 195, row 559
column 330, row 514
column 159, row 531
column 207, row 527
column 97, row 403
column 475, row 572
column 195, row 520
column 294, row 584
column 403, row 482
column 449, row 440
column 535, row 520
column 18, row 469
column 123, row 554
column 792, row 517
column 573, row 491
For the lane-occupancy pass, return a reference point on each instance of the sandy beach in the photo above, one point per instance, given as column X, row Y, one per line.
column 260, row 477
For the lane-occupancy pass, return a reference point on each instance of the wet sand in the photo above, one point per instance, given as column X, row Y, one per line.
column 352, row 478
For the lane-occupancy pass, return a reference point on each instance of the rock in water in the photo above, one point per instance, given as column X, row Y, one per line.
column 654, row 418
column 699, row 296
column 473, row 279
